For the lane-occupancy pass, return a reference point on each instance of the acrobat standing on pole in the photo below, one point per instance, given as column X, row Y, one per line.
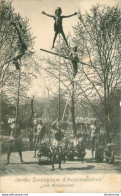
column 58, row 28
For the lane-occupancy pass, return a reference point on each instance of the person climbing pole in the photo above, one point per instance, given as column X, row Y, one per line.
column 58, row 28
column 74, row 60
column 23, row 46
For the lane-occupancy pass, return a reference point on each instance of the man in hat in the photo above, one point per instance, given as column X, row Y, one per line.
column 15, row 138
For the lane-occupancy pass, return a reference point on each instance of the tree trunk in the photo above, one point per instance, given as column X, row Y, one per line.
column 32, row 109
column 107, row 110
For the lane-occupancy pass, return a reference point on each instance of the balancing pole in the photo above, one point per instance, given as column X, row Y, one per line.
column 65, row 57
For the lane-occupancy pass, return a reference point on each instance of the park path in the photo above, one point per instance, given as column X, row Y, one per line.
column 31, row 166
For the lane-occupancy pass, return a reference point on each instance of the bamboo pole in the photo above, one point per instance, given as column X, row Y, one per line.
column 18, row 94
column 65, row 57
column 64, row 111
column 59, row 80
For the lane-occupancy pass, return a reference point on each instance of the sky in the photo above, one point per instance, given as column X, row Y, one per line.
column 42, row 26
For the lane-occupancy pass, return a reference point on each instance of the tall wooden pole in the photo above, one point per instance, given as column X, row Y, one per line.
column 32, row 107
column 64, row 111
column 73, row 109
column 49, row 111
column 18, row 94
column 59, row 81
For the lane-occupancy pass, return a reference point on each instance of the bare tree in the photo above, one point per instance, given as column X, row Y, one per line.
column 70, row 88
column 99, row 35
column 16, row 44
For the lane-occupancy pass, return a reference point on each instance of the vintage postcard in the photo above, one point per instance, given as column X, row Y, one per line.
column 60, row 78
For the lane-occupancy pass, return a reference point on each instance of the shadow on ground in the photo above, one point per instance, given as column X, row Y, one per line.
column 81, row 168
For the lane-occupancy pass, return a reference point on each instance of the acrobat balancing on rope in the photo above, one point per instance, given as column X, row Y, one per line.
column 58, row 28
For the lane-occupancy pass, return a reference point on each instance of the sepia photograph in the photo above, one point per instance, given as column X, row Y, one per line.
column 60, row 98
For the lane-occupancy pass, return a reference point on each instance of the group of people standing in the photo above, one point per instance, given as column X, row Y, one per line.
column 36, row 136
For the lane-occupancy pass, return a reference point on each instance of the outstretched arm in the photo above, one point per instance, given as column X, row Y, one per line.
column 47, row 14
column 70, row 15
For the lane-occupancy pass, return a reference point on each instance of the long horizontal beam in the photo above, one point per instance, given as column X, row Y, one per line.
column 54, row 53
column 65, row 57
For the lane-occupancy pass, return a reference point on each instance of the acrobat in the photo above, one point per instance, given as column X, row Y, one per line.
column 23, row 46
column 74, row 60
column 58, row 28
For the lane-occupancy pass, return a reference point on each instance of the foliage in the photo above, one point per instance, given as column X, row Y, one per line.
column 98, row 34
column 10, row 47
